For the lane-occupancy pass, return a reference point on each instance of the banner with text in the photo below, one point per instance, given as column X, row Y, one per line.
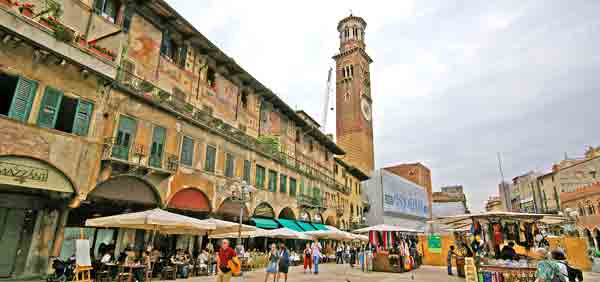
column 401, row 196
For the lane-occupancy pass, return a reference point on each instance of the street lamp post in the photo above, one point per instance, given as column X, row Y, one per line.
column 242, row 197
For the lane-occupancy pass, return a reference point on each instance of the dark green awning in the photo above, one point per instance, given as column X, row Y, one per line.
column 265, row 223
column 291, row 224
column 306, row 226
column 320, row 226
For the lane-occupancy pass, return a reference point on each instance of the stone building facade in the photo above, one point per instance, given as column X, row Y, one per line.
column 115, row 107
column 586, row 201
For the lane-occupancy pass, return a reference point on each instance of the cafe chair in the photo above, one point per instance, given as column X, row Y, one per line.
column 103, row 274
column 149, row 272
column 123, row 276
column 168, row 273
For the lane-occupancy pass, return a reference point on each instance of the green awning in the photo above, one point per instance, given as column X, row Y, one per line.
column 306, row 226
column 265, row 223
column 291, row 224
column 320, row 226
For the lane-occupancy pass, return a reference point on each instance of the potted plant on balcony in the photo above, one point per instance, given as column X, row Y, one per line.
column 49, row 22
column 63, row 33
column 80, row 39
column 102, row 52
column 26, row 9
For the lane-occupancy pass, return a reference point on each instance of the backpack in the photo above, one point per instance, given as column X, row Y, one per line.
column 574, row 273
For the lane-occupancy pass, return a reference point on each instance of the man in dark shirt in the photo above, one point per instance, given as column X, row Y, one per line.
column 226, row 254
column 508, row 252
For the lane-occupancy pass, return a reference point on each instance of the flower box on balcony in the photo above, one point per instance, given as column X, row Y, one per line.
column 26, row 9
column 48, row 22
column 102, row 52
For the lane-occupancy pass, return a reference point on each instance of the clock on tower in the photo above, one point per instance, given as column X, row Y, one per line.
column 354, row 125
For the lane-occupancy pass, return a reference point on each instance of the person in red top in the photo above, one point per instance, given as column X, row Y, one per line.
column 226, row 254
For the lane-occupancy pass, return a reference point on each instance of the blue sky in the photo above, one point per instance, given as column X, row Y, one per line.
column 454, row 82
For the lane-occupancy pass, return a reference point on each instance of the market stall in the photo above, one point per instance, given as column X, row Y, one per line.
column 391, row 248
column 497, row 244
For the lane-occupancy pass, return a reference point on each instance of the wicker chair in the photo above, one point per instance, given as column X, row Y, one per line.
column 122, row 276
column 168, row 273
column 103, row 274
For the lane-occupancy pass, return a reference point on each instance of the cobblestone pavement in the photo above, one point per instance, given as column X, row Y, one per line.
column 333, row 272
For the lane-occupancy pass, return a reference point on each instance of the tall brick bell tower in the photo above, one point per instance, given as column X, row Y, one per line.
column 354, row 126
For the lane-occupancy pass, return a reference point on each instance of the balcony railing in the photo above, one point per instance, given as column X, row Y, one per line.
column 308, row 201
column 153, row 93
column 135, row 154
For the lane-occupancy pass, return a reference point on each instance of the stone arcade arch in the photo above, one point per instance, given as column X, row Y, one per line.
column 287, row 213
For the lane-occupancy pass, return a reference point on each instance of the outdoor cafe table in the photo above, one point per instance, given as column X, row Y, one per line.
column 131, row 269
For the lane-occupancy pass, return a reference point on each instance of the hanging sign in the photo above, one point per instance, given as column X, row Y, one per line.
column 434, row 244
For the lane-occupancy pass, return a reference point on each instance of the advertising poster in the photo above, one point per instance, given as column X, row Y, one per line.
column 403, row 197
column 434, row 244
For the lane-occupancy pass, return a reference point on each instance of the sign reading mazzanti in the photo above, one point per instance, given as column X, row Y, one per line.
column 401, row 196
column 23, row 172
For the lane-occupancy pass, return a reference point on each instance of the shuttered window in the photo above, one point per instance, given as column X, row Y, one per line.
column 67, row 114
column 272, row 180
column 125, row 137
column 49, row 108
column 260, row 177
column 282, row 183
column 158, row 146
column 187, row 151
column 229, row 165
column 292, row 187
column 211, row 155
column 18, row 92
column 247, row 169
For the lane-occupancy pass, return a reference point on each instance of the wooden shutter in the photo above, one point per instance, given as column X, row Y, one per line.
column 187, row 151
column 211, row 153
column 129, row 10
column 22, row 99
column 166, row 42
column 99, row 6
column 158, row 143
column 125, row 137
column 183, row 55
column 83, row 117
column 49, row 109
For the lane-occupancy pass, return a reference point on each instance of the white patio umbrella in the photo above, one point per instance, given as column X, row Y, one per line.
column 156, row 220
column 359, row 237
column 225, row 227
column 286, row 233
column 245, row 234
column 330, row 235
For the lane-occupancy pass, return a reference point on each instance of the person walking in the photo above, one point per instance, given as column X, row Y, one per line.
column 451, row 254
column 316, row 255
column 284, row 262
column 225, row 255
column 307, row 258
column 352, row 256
column 548, row 270
column 273, row 263
column 338, row 254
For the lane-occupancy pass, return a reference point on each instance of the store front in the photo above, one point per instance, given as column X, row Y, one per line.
column 33, row 198
column 117, row 195
column 191, row 202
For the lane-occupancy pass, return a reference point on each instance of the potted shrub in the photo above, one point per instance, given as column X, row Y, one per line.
column 49, row 22
column 26, row 9
column 63, row 34
column 79, row 39
column 102, row 52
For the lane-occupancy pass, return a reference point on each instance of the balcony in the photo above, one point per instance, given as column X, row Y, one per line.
column 136, row 157
column 156, row 95
column 339, row 211
column 59, row 35
column 310, row 202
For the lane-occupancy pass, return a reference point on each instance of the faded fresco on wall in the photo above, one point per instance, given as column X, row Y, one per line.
column 172, row 76
column 144, row 47
column 226, row 99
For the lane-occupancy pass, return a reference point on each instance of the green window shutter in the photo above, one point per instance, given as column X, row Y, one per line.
column 158, row 145
column 99, row 6
column 272, row 180
column 260, row 177
column 50, row 107
column 22, row 100
column 301, row 187
column 282, row 183
column 183, row 55
column 229, row 161
column 187, row 151
column 247, row 169
column 211, row 154
column 292, row 187
column 125, row 137
column 83, row 116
